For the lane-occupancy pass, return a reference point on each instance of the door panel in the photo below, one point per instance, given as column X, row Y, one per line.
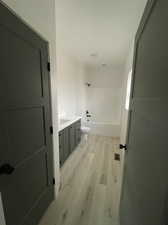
column 151, row 56
column 145, row 186
column 25, row 69
column 30, row 135
column 19, row 184
column 25, row 120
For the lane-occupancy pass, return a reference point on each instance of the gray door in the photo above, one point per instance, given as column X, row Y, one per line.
column 144, row 198
column 26, row 161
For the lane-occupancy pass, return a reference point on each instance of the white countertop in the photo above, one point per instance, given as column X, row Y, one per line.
column 62, row 126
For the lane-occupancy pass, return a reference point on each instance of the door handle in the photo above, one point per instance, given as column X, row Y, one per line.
column 123, row 147
column 6, row 169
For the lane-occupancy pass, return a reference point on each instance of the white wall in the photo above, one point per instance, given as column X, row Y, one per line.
column 70, row 78
column 40, row 15
column 103, row 99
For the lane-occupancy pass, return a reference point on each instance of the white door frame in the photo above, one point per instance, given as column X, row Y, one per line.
column 2, row 217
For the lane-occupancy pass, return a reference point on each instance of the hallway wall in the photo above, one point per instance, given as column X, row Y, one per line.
column 40, row 15
column 103, row 99
column 71, row 93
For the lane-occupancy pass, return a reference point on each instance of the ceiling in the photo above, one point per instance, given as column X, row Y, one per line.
column 104, row 28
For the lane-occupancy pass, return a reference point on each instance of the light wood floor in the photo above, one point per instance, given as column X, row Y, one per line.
column 90, row 186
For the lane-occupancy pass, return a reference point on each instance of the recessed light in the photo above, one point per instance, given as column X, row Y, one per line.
column 104, row 64
column 93, row 54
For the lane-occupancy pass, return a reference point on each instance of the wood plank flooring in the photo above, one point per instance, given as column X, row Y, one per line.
column 90, row 186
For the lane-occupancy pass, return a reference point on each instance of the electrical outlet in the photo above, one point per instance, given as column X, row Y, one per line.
column 117, row 156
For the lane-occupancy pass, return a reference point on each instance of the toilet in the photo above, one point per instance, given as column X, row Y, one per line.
column 85, row 131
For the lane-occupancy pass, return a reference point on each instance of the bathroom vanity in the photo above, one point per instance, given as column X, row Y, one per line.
column 69, row 137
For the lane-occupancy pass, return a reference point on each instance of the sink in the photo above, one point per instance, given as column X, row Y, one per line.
column 62, row 121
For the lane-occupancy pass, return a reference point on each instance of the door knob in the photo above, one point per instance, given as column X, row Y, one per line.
column 123, row 147
column 6, row 169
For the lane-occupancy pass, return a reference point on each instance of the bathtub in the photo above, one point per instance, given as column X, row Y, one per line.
column 104, row 129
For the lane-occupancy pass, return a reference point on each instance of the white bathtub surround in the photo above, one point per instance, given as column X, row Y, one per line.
column 104, row 129
column 66, row 122
column 103, row 99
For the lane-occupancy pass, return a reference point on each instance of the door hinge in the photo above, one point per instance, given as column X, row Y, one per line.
column 51, row 130
column 48, row 66
column 53, row 181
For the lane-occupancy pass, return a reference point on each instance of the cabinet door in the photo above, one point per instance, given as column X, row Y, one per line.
column 61, row 148
column 72, row 137
column 66, row 143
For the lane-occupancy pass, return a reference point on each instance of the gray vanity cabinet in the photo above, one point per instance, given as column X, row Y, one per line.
column 64, row 145
column 69, row 138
